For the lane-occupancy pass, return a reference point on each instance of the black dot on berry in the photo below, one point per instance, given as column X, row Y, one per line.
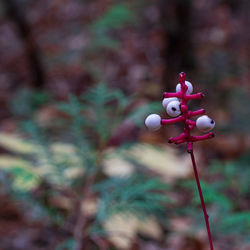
column 174, row 109
column 212, row 122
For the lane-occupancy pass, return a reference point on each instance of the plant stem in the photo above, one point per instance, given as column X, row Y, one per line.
column 201, row 198
column 186, row 137
column 81, row 220
column 86, row 193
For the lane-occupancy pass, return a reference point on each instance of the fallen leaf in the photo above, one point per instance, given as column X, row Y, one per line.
column 16, row 144
column 89, row 207
column 122, row 229
column 117, row 167
column 163, row 160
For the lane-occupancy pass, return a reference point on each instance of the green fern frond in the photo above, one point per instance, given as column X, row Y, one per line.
column 237, row 222
column 139, row 114
column 138, row 195
column 211, row 195
column 114, row 18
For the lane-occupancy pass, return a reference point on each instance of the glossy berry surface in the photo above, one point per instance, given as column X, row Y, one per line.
column 174, row 109
column 204, row 123
column 189, row 89
column 166, row 101
column 153, row 122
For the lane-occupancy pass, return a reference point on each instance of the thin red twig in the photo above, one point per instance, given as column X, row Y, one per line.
column 202, row 200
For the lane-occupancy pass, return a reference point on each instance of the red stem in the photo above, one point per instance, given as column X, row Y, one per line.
column 197, row 112
column 194, row 96
column 191, row 122
column 186, row 114
column 181, row 137
column 202, row 200
column 186, row 137
column 174, row 120
column 167, row 94
column 180, row 141
column 202, row 137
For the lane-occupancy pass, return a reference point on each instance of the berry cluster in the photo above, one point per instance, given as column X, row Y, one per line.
column 176, row 106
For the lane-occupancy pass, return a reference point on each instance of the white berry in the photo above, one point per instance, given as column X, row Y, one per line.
column 204, row 123
column 188, row 84
column 173, row 108
column 153, row 122
column 166, row 101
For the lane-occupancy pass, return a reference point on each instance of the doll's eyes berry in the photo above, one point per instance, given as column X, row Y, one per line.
column 166, row 101
column 205, row 124
column 153, row 122
column 188, row 84
column 173, row 109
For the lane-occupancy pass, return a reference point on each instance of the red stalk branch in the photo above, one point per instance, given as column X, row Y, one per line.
column 174, row 120
column 190, row 122
column 167, row 95
column 195, row 96
column 202, row 137
column 197, row 112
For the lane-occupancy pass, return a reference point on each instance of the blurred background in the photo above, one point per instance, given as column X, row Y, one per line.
column 78, row 168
